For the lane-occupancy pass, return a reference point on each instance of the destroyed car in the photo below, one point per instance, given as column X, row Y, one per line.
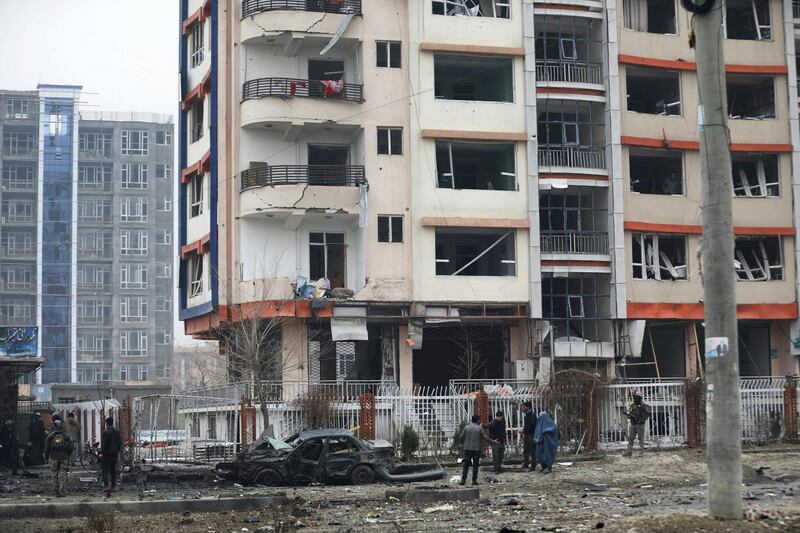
column 325, row 456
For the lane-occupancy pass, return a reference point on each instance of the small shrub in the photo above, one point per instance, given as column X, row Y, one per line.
column 409, row 442
column 101, row 523
column 316, row 405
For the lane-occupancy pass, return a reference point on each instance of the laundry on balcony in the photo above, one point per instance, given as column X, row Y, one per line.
column 332, row 87
column 293, row 87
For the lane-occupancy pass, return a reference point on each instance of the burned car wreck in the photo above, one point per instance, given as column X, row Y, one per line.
column 324, row 456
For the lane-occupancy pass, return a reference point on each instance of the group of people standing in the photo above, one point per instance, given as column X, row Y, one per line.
column 539, row 442
column 60, row 447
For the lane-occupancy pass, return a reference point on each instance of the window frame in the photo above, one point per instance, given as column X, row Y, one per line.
column 383, row 54
column 388, row 131
column 390, row 219
column 135, row 143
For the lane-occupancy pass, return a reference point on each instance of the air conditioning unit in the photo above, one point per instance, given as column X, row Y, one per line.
column 525, row 369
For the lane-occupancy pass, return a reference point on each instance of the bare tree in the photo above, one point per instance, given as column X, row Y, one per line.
column 469, row 363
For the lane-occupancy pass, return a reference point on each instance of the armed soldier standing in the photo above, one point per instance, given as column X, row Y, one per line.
column 57, row 449
column 638, row 414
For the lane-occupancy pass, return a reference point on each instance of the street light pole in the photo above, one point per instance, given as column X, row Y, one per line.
column 723, row 422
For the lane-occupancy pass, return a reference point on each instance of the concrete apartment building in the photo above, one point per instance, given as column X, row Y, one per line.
column 86, row 249
column 510, row 188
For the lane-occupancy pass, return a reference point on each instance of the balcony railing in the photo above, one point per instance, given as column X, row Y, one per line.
column 17, row 286
column 572, row 156
column 569, row 72
column 16, row 315
column 19, row 184
column 17, row 218
column 17, row 250
column 289, row 87
column 95, row 153
column 324, row 175
column 25, row 151
column 251, row 7
column 573, row 242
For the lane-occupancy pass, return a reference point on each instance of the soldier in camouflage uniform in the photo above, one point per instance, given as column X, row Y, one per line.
column 638, row 414
column 57, row 450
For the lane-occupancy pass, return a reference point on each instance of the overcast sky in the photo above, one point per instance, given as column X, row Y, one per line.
column 126, row 53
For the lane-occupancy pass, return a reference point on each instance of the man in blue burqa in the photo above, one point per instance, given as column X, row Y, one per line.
column 546, row 438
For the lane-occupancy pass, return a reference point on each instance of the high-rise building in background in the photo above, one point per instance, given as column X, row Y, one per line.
column 509, row 188
column 86, row 244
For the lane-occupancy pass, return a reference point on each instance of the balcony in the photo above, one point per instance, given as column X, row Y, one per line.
column 19, row 184
column 565, row 156
column 320, row 175
column 251, row 7
column 295, row 87
column 16, row 315
column 18, row 251
column 569, row 72
column 570, row 242
column 23, row 287
column 95, row 153
column 27, row 151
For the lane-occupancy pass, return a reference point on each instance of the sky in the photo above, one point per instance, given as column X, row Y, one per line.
column 124, row 54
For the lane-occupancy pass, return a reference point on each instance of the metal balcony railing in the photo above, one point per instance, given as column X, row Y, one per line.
column 19, row 184
column 17, row 286
column 572, row 156
column 325, row 175
column 569, row 72
column 95, row 153
column 17, row 218
column 290, row 87
column 17, row 250
column 251, row 7
column 574, row 242
column 16, row 315
column 20, row 151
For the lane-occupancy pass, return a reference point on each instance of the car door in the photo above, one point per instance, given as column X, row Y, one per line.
column 341, row 454
column 303, row 461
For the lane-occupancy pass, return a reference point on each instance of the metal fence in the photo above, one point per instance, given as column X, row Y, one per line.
column 296, row 87
column 251, row 7
column 572, row 156
column 574, row 243
column 570, row 72
column 324, row 175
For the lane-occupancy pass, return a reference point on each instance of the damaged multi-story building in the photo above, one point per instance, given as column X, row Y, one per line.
column 427, row 191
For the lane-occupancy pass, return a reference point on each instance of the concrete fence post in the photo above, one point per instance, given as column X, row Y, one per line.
column 790, row 409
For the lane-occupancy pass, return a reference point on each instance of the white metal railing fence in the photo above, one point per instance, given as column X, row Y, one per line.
column 762, row 414
column 574, row 242
column 569, row 72
column 572, row 156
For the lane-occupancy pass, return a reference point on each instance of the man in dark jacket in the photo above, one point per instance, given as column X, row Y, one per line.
column 36, row 438
column 528, row 446
column 57, row 449
column 472, row 438
column 497, row 432
column 110, row 446
column 8, row 442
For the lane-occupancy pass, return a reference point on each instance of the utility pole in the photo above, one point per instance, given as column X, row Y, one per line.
column 723, row 422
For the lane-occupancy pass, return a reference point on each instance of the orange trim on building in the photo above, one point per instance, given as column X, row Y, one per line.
column 475, row 135
column 574, row 262
column 203, row 88
column 650, row 142
column 695, row 311
column 472, row 49
column 681, row 64
column 458, row 222
column 567, row 90
column 740, row 147
column 201, row 167
column 202, row 13
column 199, row 247
column 693, row 229
column 273, row 308
column 557, row 176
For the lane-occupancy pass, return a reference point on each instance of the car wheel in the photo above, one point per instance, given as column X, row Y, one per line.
column 268, row 478
column 362, row 475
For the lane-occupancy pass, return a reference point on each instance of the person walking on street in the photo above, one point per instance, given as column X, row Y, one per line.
column 546, row 438
column 34, row 455
column 9, row 445
column 637, row 414
column 74, row 432
column 110, row 446
column 57, row 449
column 472, row 439
column 497, row 432
column 528, row 446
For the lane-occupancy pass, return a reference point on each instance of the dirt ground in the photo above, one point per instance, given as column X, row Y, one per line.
column 664, row 491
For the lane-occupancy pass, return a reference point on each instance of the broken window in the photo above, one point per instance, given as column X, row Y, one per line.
column 574, row 221
column 475, row 165
column 747, row 19
column 196, row 276
column 656, row 171
column 659, row 257
column 758, row 258
column 476, row 78
column 327, row 254
column 751, row 97
column 329, row 360
column 651, row 16
column 473, row 8
column 577, row 306
column 475, row 252
column 390, row 228
column 571, row 133
column 568, row 49
column 755, row 175
column 653, row 91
